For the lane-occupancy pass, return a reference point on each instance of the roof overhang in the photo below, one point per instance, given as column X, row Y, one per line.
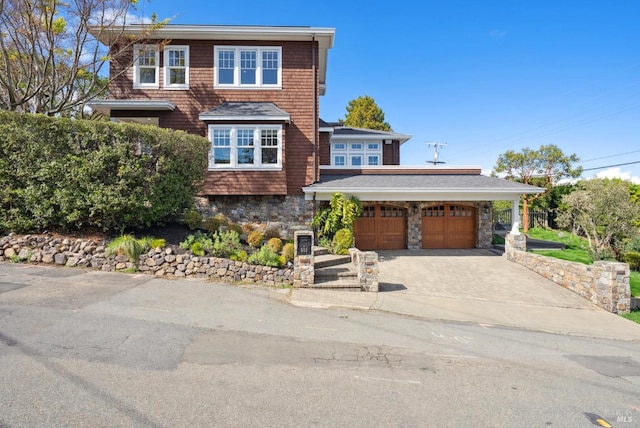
column 106, row 106
column 324, row 36
column 365, row 194
column 245, row 112
column 361, row 134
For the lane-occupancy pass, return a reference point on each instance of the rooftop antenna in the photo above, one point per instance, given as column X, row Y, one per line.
column 435, row 160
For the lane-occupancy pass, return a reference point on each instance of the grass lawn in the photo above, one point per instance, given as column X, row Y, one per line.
column 577, row 251
column 633, row 316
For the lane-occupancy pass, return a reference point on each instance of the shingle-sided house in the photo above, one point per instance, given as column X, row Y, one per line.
column 254, row 93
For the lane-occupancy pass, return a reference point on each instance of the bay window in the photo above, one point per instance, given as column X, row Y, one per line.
column 245, row 146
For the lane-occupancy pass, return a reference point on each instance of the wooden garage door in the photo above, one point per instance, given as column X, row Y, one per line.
column 448, row 226
column 381, row 227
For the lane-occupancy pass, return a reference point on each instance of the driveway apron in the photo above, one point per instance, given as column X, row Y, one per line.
column 471, row 275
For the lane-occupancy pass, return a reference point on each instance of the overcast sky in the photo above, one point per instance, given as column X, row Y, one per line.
column 481, row 76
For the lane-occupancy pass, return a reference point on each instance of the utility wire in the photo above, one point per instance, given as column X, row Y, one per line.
column 610, row 156
column 611, row 166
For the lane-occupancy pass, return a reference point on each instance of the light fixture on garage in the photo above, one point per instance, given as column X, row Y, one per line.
column 415, row 209
column 486, row 209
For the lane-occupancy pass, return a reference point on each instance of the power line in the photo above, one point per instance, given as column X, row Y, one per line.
column 611, row 166
column 610, row 156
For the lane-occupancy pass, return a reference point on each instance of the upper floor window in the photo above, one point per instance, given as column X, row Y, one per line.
column 176, row 67
column 356, row 154
column 146, row 65
column 245, row 146
column 248, row 67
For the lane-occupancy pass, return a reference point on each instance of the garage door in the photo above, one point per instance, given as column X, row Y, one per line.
column 448, row 226
column 381, row 227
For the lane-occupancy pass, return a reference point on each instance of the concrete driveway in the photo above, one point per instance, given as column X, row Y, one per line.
column 471, row 275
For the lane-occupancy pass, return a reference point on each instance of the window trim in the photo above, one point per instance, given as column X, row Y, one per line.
column 346, row 149
column 237, row 49
column 136, row 67
column 257, row 147
column 166, row 68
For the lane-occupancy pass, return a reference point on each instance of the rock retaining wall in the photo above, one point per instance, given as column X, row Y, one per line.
column 604, row 283
column 163, row 262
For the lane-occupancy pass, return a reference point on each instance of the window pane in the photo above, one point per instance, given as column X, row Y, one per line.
column 245, row 146
column 177, row 58
column 269, row 143
column 222, row 156
column 177, row 77
column 372, row 160
column 269, row 156
column 373, row 146
column 270, row 68
column 248, row 67
column 356, row 146
column 339, row 146
column 338, row 160
column 147, row 57
column 356, row 160
column 226, row 65
column 147, row 75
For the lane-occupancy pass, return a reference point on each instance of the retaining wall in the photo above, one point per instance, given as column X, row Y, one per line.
column 166, row 262
column 604, row 283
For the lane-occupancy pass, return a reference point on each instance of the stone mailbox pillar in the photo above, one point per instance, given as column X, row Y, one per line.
column 303, row 260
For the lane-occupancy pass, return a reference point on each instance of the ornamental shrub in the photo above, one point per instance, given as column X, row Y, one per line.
column 212, row 224
column 342, row 241
column 272, row 232
column 226, row 243
column 265, row 256
column 288, row 252
column 125, row 245
column 69, row 174
column 275, row 244
column 193, row 219
column 633, row 258
column 255, row 239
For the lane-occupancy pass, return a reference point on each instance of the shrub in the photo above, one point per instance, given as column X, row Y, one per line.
column 272, row 232
column 265, row 256
column 288, row 252
column 149, row 243
column 342, row 241
column 203, row 243
column 255, row 239
column 226, row 243
column 248, row 228
column 125, row 245
column 275, row 244
column 193, row 219
column 62, row 173
column 235, row 227
column 212, row 224
column 239, row 256
column 325, row 241
column 633, row 258
column 224, row 221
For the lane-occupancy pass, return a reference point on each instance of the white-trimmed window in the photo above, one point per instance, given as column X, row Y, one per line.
column 146, row 66
column 176, row 67
column 245, row 146
column 356, row 154
column 248, row 67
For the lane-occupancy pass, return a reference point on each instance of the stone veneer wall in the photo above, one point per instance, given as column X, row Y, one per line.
column 366, row 263
column 161, row 262
column 287, row 213
column 604, row 283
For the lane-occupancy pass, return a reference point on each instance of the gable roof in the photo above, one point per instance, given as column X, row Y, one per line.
column 323, row 36
column 246, row 111
column 418, row 187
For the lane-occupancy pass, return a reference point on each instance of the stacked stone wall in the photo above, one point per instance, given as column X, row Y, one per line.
column 167, row 262
column 604, row 283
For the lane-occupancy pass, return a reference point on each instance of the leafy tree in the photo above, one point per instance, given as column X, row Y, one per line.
column 363, row 112
column 340, row 214
column 50, row 63
column 543, row 167
column 603, row 211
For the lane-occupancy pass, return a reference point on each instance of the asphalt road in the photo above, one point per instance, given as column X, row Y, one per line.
column 83, row 348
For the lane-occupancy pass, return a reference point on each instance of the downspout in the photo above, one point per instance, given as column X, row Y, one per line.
column 315, row 106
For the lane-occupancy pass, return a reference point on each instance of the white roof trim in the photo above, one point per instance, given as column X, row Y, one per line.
column 326, row 194
column 286, row 118
column 105, row 106
column 406, row 167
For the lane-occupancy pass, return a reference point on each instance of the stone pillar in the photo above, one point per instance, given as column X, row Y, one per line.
column 366, row 263
column 513, row 243
column 611, row 280
column 303, row 260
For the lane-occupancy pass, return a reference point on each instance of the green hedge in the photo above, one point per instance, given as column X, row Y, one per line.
column 61, row 173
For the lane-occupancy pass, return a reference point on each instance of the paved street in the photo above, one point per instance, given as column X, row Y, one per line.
column 86, row 348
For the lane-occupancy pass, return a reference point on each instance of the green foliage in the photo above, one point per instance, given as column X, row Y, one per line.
column 633, row 259
column 577, row 248
column 212, row 224
column 342, row 241
column 275, row 244
column 198, row 243
column 239, row 256
column 226, row 243
column 340, row 214
column 149, row 242
column 601, row 210
column 325, row 242
column 193, row 219
column 634, row 283
column 272, row 232
column 235, row 227
column 125, row 245
column 363, row 112
column 288, row 252
column 61, row 173
column 265, row 256
column 255, row 239
column 632, row 316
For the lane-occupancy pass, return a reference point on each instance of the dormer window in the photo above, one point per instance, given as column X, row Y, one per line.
column 146, row 66
column 356, row 154
column 248, row 67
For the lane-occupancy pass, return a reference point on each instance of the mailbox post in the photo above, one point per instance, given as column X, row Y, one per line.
column 303, row 271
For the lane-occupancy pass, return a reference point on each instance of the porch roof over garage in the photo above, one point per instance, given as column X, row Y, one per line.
column 418, row 187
